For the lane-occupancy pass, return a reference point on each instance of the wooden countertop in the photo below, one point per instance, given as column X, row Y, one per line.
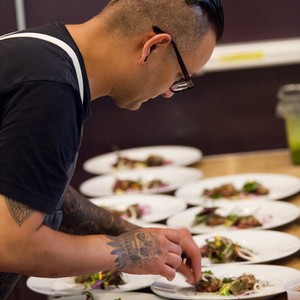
column 274, row 161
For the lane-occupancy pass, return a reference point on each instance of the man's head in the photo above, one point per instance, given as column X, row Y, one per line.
column 169, row 35
column 185, row 20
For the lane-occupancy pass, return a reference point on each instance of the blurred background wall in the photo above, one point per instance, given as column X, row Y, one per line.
column 228, row 111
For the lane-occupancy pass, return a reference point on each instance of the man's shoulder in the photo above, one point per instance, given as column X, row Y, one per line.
column 27, row 58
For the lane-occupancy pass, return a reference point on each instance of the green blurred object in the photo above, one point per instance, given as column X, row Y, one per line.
column 292, row 125
column 289, row 108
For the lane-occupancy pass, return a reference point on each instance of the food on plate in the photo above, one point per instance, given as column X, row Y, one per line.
column 128, row 186
column 222, row 191
column 242, row 285
column 125, row 163
column 223, row 250
column 242, row 222
column 101, row 280
column 250, row 188
column 210, row 217
column 134, row 211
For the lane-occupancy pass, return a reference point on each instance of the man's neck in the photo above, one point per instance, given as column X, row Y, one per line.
column 94, row 48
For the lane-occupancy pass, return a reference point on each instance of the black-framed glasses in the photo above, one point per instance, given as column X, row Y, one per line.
column 185, row 83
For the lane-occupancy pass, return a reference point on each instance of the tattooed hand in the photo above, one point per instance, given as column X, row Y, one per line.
column 148, row 251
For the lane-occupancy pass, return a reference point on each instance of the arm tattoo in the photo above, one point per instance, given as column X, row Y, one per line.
column 83, row 217
column 19, row 211
column 133, row 247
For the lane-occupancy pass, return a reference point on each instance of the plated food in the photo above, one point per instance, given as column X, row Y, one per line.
column 273, row 187
column 67, row 286
column 271, row 280
column 219, row 249
column 142, row 157
column 101, row 280
column 249, row 189
column 154, row 207
column 269, row 214
column 172, row 178
column 126, row 163
column 209, row 216
column 123, row 186
column 134, row 211
column 245, row 247
column 241, row 285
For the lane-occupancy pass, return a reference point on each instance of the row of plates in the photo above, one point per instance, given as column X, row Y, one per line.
column 275, row 276
column 189, row 184
column 178, row 158
column 267, row 245
column 175, row 155
column 173, row 210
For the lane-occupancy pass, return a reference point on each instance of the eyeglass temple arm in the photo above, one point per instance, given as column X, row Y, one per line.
column 180, row 60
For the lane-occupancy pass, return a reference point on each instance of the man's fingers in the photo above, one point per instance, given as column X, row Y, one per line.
column 173, row 260
column 168, row 273
column 194, row 262
column 174, row 248
column 187, row 272
column 173, row 236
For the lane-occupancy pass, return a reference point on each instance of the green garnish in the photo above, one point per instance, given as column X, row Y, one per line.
column 251, row 186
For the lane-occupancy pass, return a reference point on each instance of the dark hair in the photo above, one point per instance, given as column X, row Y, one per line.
column 215, row 13
column 187, row 21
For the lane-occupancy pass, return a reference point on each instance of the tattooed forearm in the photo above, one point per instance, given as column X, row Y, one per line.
column 132, row 247
column 83, row 217
column 19, row 211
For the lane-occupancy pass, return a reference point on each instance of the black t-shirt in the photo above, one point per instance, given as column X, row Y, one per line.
column 41, row 118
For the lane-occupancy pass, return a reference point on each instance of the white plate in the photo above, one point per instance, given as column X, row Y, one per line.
column 277, row 276
column 267, row 245
column 270, row 214
column 172, row 176
column 112, row 296
column 177, row 155
column 279, row 185
column 65, row 286
column 160, row 206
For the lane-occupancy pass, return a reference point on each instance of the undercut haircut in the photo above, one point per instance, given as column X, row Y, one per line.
column 187, row 21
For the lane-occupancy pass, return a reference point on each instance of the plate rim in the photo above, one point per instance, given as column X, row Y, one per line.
column 154, row 219
column 68, row 292
column 275, row 233
column 293, row 207
column 197, row 152
column 195, row 174
column 199, row 200
column 230, row 267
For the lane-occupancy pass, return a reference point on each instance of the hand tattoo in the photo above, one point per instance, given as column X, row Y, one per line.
column 133, row 247
column 19, row 211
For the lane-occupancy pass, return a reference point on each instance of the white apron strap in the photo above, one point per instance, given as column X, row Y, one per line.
column 59, row 43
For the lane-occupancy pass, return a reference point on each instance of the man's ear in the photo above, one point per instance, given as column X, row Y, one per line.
column 152, row 43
